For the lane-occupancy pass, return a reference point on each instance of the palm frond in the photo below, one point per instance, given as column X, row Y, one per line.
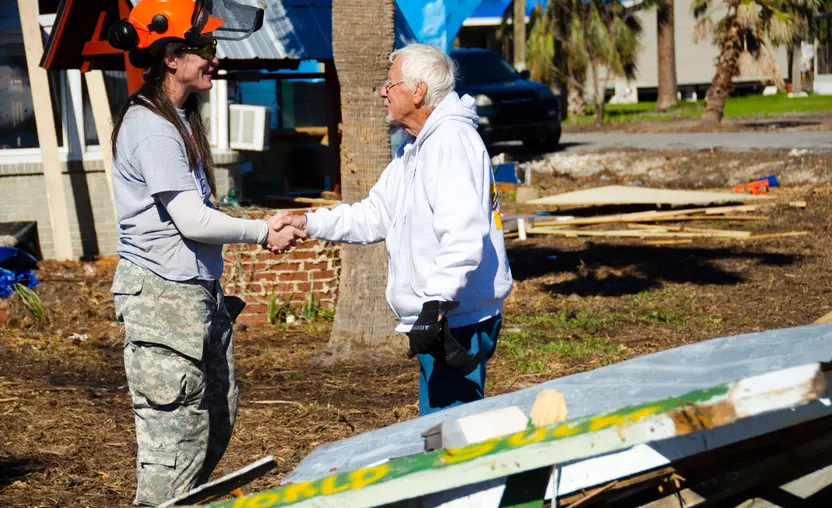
column 748, row 14
column 699, row 8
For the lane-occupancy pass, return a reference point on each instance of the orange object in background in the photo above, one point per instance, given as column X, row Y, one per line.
column 758, row 187
column 761, row 186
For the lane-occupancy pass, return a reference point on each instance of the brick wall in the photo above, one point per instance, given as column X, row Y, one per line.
column 93, row 230
column 255, row 274
column 251, row 272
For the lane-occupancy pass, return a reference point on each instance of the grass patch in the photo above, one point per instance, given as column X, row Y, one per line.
column 313, row 311
column 566, row 323
column 651, row 297
column 578, row 348
column 661, row 316
column 757, row 105
column 748, row 106
column 533, row 354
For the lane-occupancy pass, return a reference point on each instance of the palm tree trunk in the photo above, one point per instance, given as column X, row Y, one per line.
column 519, row 22
column 727, row 66
column 362, row 40
column 797, row 77
column 561, row 65
column 598, row 93
column 576, row 100
column 577, row 92
column 665, row 27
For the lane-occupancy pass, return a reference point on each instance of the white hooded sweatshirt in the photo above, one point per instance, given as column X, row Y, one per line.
column 436, row 207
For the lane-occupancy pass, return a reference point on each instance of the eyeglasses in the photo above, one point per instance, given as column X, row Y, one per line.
column 206, row 51
column 389, row 85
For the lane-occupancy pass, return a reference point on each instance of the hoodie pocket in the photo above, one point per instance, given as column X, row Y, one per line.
column 422, row 253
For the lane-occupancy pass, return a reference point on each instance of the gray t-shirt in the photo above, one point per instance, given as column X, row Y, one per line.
column 151, row 158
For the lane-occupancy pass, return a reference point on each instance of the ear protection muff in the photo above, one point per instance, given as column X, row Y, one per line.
column 139, row 58
column 159, row 24
column 122, row 35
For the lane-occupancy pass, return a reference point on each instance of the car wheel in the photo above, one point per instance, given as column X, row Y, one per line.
column 547, row 144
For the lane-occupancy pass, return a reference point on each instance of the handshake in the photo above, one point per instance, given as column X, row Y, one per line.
column 284, row 231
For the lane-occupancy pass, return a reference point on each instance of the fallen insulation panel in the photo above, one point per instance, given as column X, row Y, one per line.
column 714, row 416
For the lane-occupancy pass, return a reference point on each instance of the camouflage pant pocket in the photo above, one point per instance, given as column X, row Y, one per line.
column 155, row 475
column 160, row 377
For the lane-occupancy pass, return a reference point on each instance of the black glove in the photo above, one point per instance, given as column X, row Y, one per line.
column 426, row 335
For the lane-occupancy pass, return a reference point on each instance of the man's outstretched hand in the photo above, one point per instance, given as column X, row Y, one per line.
column 285, row 230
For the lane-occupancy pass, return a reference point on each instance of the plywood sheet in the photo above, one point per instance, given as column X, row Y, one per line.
column 623, row 195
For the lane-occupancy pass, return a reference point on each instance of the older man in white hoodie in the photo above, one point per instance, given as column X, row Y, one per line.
column 435, row 206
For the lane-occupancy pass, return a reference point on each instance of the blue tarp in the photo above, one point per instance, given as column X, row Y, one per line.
column 16, row 267
column 496, row 8
column 436, row 22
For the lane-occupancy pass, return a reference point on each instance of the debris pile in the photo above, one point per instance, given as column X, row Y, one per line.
column 661, row 227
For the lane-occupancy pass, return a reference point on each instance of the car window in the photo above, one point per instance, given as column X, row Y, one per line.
column 478, row 68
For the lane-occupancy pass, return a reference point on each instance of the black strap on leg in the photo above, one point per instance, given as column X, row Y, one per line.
column 457, row 356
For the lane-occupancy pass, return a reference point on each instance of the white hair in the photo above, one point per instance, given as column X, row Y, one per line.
column 426, row 64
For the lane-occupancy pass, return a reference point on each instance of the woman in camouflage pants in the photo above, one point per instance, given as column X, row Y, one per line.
column 178, row 353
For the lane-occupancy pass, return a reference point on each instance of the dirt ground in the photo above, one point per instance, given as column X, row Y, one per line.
column 66, row 432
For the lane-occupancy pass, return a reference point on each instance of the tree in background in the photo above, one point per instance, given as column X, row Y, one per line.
column 519, row 34
column 666, row 45
column 362, row 40
column 573, row 39
column 747, row 31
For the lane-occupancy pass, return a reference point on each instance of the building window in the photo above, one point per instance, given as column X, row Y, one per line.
column 303, row 103
column 17, row 113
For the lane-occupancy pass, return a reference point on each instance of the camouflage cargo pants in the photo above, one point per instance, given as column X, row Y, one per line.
column 179, row 361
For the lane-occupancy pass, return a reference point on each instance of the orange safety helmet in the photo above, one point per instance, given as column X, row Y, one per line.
column 152, row 22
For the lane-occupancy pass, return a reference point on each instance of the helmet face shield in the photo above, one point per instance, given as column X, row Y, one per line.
column 228, row 20
column 153, row 22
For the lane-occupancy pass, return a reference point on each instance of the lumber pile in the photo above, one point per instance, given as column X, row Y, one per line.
column 654, row 226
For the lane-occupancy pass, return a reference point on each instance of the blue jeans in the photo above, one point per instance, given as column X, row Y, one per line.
column 440, row 386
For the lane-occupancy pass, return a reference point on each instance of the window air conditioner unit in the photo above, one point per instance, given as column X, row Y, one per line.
column 250, row 127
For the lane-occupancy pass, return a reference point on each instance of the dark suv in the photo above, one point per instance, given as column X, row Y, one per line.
column 510, row 106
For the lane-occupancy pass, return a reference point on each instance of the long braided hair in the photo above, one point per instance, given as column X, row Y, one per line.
column 152, row 95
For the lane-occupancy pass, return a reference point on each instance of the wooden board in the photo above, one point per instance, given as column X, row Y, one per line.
column 667, row 229
column 225, row 485
column 642, row 233
column 651, row 216
column 103, row 125
column 623, row 195
column 56, row 197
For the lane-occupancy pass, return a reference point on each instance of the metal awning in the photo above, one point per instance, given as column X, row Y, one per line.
column 292, row 29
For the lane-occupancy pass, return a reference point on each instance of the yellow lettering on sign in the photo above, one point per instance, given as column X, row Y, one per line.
column 566, row 430
column 524, row 438
column 643, row 412
column 263, row 500
column 329, row 486
column 603, row 422
column 364, row 477
column 456, row 455
column 299, row 491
